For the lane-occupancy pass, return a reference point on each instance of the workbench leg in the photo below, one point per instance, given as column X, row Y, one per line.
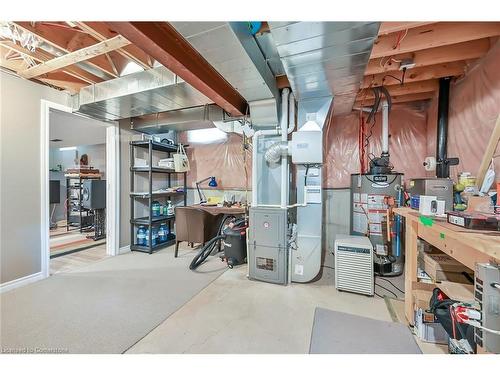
column 410, row 267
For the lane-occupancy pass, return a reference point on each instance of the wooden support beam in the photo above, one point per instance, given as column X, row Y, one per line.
column 42, row 56
column 67, row 41
column 406, row 89
column 394, row 27
column 166, row 45
column 434, row 35
column 399, row 99
column 100, row 31
column 438, row 55
column 282, row 82
column 75, row 57
column 488, row 153
column 453, row 69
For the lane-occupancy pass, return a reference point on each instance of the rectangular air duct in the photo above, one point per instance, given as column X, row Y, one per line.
column 152, row 91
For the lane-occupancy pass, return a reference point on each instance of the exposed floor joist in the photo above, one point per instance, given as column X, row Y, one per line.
column 393, row 27
column 399, row 99
column 42, row 56
column 58, row 79
column 75, row 57
column 438, row 55
column 68, row 41
column 434, row 35
column 407, row 89
column 101, row 31
column 165, row 44
column 452, row 69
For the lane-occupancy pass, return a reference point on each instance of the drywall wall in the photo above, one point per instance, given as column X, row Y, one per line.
column 20, row 182
column 474, row 108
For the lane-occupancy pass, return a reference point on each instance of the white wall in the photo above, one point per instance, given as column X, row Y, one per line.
column 20, row 178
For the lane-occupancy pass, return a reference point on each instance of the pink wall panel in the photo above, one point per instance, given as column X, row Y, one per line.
column 474, row 108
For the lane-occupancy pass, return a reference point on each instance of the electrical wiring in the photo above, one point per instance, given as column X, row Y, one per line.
column 378, row 295
column 400, row 80
column 390, row 282
column 390, row 291
column 332, row 268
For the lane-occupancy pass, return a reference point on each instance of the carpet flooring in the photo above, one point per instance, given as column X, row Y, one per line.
column 105, row 307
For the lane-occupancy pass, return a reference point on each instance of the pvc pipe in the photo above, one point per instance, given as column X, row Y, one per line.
column 385, row 127
column 291, row 113
column 255, row 137
column 284, row 139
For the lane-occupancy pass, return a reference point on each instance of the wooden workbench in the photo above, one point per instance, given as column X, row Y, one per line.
column 214, row 210
column 466, row 246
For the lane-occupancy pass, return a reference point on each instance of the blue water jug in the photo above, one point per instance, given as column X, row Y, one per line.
column 156, row 206
column 154, row 237
column 163, row 232
column 141, row 236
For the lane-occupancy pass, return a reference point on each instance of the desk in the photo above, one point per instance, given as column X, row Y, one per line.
column 466, row 246
column 214, row 210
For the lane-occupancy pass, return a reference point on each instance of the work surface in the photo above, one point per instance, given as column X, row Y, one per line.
column 214, row 210
column 466, row 246
column 458, row 242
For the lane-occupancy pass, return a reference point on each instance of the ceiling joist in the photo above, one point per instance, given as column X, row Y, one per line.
column 452, row 69
column 75, row 57
column 100, row 31
column 438, row 55
column 68, row 41
column 406, row 89
column 394, row 27
column 399, row 99
column 434, row 35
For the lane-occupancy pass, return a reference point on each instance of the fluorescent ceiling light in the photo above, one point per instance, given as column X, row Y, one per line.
column 210, row 135
column 67, row 148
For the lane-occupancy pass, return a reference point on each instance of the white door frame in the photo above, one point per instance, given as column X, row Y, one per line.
column 112, row 189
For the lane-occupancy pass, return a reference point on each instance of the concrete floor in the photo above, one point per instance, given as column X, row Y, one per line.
column 235, row 315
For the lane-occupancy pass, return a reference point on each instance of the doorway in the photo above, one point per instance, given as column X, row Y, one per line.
column 80, row 192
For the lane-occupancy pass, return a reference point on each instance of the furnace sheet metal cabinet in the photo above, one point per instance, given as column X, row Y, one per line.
column 267, row 245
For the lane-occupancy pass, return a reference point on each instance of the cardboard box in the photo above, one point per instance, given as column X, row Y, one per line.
column 442, row 267
column 421, row 298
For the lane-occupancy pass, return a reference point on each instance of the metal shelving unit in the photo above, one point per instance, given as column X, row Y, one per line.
column 83, row 213
column 150, row 221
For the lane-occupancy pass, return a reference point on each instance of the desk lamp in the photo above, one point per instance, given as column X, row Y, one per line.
column 212, row 183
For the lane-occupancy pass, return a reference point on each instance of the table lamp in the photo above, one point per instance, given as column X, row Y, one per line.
column 212, row 183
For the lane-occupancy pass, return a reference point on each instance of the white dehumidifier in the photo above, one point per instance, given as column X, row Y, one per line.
column 354, row 265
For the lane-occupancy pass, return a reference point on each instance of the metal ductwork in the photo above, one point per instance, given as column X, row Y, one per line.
column 234, row 52
column 149, row 97
column 152, row 91
column 325, row 58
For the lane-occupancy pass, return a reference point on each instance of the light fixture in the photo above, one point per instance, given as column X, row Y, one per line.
column 212, row 183
column 206, row 136
column 67, row 148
